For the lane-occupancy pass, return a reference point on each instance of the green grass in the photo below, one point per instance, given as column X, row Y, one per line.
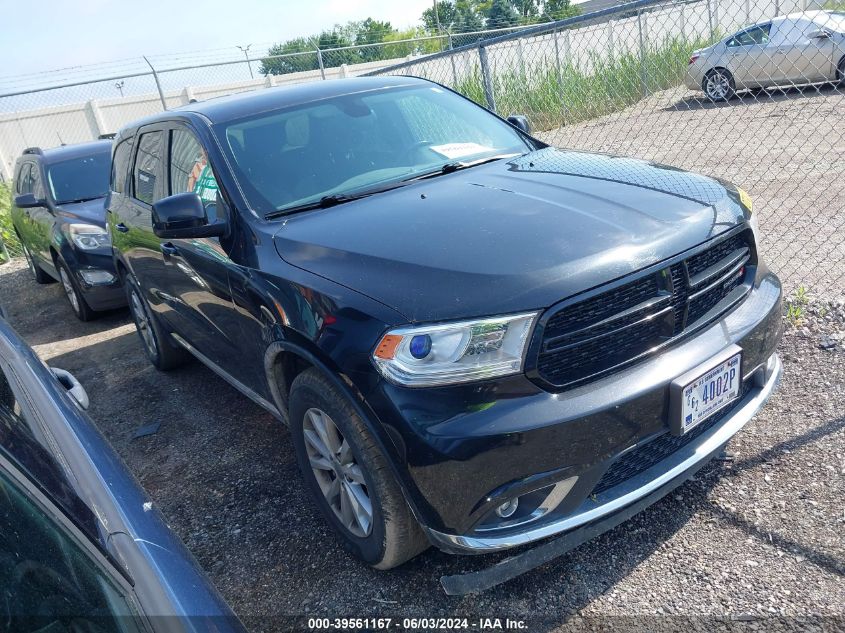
column 796, row 306
column 7, row 233
column 552, row 98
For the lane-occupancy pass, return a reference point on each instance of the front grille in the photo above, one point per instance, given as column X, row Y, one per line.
column 585, row 340
column 640, row 459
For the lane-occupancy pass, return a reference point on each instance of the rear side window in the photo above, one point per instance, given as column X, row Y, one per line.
column 148, row 185
column 757, row 35
column 120, row 165
column 189, row 167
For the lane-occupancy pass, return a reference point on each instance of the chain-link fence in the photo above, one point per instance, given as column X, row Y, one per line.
column 746, row 90
column 761, row 105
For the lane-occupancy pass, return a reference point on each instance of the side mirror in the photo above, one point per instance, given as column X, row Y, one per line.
column 818, row 34
column 74, row 389
column 183, row 216
column 28, row 201
column 520, row 121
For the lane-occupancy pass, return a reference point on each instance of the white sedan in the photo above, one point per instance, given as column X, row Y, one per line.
column 800, row 48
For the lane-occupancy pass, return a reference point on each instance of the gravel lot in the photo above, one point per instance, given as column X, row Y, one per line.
column 785, row 147
column 756, row 537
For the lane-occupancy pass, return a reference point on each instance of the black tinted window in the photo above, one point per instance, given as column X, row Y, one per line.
column 148, row 167
column 48, row 573
column 79, row 179
column 120, row 165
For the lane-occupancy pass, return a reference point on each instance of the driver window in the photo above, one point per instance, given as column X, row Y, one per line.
column 190, row 170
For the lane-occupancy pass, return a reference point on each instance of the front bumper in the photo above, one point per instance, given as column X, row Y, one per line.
column 676, row 468
column 464, row 450
column 100, row 292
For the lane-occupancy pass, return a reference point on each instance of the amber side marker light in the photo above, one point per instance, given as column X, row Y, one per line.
column 387, row 346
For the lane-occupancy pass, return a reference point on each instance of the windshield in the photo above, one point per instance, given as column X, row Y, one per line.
column 78, row 179
column 291, row 157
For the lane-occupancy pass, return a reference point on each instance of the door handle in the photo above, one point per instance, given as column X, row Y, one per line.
column 122, row 227
column 168, row 249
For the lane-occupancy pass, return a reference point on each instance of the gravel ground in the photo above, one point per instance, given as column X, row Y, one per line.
column 759, row 536
column 785, row 147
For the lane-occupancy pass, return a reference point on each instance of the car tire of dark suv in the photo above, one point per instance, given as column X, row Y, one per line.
column 159, row 347
column 75, row 297
column 40, row 276
column 345, row 470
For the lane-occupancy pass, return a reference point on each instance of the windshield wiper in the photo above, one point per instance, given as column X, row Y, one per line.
column 448, row 168
column 332, row 200
column 75, row 200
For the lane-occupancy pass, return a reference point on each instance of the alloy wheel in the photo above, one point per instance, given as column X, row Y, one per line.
column 70, row 291
column 338, row 474
column 718, row 86
column 142, row 322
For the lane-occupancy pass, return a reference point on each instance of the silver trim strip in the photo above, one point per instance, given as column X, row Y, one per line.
column 237, row 384
column 630, row 491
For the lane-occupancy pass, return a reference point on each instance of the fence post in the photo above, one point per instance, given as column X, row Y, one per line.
column 747, row 11
column 486, row 78
column 777, row 8
column 158, row 84
column 567, row 49
column 320, row 62
column 5, row 174
column 643, row 71
column 95, row 118
column 715, row 17
column 610, row 42
column 710, row 19
column 683, row 24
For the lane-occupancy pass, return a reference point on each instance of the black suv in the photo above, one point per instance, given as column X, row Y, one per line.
column 59, row 217
column 478, row 341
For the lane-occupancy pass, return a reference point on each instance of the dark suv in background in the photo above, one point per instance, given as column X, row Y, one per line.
column 59, row 216
column 478, row 341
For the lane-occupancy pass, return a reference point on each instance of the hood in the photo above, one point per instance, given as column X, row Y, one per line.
column 510, row 235
column 90, row 211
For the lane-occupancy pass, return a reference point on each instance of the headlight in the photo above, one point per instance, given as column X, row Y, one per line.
column 88, row 236
column 454, row 352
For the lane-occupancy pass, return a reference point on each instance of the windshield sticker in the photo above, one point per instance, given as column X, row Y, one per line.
column 458, row 150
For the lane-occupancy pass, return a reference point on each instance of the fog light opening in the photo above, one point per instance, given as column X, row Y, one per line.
column 96, row 277
column 508, row 508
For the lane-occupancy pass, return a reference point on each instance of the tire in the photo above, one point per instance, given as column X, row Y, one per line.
column 393, row 535
column 40, row 276
column 73, row 293
column 719, row 85
column 164, row 353
column 840, row 72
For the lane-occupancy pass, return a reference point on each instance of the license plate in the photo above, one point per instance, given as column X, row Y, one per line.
column 709, row 393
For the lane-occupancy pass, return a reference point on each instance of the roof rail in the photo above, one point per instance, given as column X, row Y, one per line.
column 33, row 150
column 107, row 137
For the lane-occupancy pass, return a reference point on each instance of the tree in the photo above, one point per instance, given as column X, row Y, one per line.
column 372, row 32
column 467, row 18
column 559, row 10
column 501, row 15
column 527, row 9
column 293, row 64
column 445, row 16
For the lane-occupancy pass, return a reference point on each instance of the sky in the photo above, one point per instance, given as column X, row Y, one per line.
column 74, row 33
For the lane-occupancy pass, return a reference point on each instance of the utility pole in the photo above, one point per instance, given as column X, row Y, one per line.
column 437, row 21
column 245, row 51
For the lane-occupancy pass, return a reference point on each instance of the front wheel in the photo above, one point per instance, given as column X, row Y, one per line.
column 719, row 85
column 348, row 476
column 840, row 72
column 40, row 276
column 74, row 296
